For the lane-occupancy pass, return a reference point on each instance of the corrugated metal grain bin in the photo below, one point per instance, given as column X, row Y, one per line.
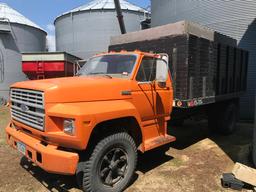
column 235, row 18
column 201, row 60
column 86, row 30
column 17, row 34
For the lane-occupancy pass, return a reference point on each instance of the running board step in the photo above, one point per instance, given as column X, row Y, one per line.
column 158, row 141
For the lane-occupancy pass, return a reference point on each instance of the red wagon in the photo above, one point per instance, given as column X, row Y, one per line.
column 49, row 65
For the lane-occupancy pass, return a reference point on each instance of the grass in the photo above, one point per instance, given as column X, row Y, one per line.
column 4, row 120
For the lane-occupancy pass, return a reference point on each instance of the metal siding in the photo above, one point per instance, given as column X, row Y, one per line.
column 29, row 39
column 235, row 18
column 87, row 33
column 22, row 38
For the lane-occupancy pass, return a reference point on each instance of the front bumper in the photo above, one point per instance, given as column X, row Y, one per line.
column 49, row 157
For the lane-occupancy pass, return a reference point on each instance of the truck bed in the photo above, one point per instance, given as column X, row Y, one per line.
column 206, row 66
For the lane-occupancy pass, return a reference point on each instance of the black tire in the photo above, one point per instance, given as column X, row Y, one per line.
column 213, row 118
column 212, row 123
column 223, row 119
column 111, row 166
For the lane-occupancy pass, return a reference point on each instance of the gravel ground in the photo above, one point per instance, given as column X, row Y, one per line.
column 195, row 162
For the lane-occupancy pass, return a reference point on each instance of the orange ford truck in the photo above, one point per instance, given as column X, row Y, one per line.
column 93, row 125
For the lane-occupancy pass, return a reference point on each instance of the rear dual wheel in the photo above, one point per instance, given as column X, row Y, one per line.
column 223, row 118
column 111, row 165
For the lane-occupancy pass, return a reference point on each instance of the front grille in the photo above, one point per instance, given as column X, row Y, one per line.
column 27, row 107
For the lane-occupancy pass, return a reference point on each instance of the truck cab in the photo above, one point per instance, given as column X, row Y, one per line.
column 94, row 124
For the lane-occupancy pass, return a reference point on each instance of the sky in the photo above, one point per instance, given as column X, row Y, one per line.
column 44, row 12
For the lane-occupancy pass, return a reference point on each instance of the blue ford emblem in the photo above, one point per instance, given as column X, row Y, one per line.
column 24, row 108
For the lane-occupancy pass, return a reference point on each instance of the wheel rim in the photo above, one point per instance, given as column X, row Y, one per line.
column 113, row 167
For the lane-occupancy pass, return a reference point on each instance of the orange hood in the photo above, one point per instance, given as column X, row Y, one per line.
column 79, row 89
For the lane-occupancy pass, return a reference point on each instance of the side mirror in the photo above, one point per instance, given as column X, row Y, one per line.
column 162, row 69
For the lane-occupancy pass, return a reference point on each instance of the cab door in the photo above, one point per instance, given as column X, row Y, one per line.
column 163, row 104
column 151, row 99
column 143, row 91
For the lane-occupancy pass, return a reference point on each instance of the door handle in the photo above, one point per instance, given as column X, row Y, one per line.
column 126, row 93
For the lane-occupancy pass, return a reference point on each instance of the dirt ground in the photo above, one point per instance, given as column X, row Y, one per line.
column 195, row 162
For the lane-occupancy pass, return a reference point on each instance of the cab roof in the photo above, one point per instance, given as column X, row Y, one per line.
column 137, row 52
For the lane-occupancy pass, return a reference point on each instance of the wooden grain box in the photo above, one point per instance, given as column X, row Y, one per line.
column 203, row 63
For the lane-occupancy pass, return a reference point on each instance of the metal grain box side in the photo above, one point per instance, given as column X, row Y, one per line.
column 177, row 49
column 201, row 67
column 206, row 66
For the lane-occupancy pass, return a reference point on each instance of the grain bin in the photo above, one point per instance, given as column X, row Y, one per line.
column 235, row 18
column 86, row 30
column 17, row 34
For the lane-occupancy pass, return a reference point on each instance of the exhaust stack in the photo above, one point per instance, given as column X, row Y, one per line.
column 120, row 16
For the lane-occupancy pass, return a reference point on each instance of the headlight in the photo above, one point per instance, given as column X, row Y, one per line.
column 69, row 126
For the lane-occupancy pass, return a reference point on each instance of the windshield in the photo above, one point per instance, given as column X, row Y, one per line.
column 115, row 65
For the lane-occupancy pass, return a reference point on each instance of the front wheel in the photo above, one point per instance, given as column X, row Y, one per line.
column 111, row 165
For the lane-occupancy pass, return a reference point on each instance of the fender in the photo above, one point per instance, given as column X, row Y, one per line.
column 87, row 116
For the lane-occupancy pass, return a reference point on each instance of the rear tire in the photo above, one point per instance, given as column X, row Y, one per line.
column 229, row 119
column 223, row 119
column 111, row 166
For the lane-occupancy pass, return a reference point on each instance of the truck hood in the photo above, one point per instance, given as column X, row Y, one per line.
column 79, row 89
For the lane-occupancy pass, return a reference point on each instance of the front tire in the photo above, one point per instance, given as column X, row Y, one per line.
column 111, row 165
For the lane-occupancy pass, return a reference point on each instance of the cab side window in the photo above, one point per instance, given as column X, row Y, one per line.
column 147, row 70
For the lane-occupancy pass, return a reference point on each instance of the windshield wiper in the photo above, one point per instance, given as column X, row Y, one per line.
column 101, row 74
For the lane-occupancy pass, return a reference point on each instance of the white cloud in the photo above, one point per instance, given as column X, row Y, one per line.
column 51, row 43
